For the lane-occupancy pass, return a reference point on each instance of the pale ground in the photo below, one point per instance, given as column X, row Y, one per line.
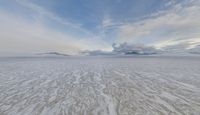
column 100, row 86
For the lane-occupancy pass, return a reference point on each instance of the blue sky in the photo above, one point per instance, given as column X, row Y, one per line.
column 70, row 26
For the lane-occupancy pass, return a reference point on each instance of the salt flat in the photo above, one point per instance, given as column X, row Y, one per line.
column 100, row 86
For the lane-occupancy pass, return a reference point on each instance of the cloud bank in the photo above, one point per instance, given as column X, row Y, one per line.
column 129, row 49
column 125, row 49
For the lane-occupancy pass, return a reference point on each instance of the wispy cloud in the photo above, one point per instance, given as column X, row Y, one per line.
column 43, row 14
column 20, row 36
column 17, row 35
column 180, row 22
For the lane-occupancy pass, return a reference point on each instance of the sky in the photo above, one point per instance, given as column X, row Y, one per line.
column 73, row 26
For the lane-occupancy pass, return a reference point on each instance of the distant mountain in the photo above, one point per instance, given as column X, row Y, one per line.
column 96, row 53
column 140, row 53
column 53, row 54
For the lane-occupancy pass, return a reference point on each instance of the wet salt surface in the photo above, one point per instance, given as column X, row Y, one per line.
column 100, row 86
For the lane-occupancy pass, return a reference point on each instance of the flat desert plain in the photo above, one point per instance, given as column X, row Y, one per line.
column 100, row 86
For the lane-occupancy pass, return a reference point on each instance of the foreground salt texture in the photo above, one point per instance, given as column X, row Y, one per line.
column 100, row 86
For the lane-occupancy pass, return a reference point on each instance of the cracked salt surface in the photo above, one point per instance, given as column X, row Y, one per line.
column 100, row 86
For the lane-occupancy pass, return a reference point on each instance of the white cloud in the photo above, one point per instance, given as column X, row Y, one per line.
column 192, row 42
column 106, row 22
column 18, row 36
column 169, row 27
column 21, row 36
column 42, row 14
